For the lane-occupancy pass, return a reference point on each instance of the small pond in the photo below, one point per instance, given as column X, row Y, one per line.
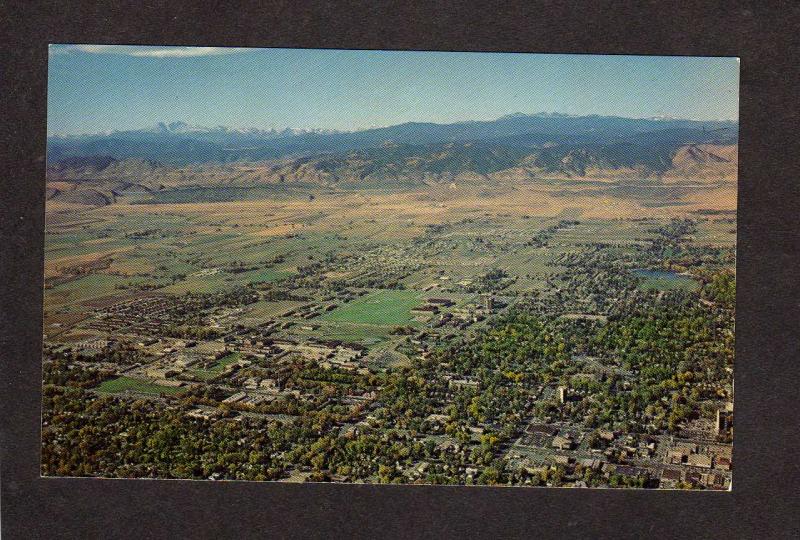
column 665, row 280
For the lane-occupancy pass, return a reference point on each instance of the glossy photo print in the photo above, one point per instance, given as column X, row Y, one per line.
column 458, row 268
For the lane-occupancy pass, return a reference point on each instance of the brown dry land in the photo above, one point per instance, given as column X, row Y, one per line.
column 111, row 252
column 437, row 203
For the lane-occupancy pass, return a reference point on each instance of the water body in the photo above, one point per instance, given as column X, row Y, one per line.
column 665, row 280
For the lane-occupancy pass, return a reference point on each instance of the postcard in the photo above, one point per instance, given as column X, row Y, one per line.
column 403, row 267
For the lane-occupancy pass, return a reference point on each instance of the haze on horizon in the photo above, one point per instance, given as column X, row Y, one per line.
column 100, row 88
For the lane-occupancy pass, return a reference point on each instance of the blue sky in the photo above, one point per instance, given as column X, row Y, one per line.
column 100, row 87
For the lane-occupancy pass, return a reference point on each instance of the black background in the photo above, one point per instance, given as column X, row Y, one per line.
column 764, row 501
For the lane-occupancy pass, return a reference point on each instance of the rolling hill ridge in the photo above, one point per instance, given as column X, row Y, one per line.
column 99, row 169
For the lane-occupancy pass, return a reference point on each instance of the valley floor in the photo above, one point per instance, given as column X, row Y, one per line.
column 543, row 334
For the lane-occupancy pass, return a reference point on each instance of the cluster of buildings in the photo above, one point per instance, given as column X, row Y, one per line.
column 253, row 397
column 660, row 461
column 146, row 315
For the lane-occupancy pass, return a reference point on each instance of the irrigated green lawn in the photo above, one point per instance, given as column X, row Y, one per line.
column 380, row 307
column 120, row 384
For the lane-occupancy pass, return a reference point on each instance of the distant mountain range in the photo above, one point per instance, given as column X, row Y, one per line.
column 511, row 148
column 178, row 143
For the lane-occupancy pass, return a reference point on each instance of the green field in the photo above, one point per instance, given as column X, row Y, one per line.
column 121, row 384
column 380, row 307
column 265, row 274
column 88, row 287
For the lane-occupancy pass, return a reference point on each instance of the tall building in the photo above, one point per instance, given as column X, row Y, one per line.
column 724, row 420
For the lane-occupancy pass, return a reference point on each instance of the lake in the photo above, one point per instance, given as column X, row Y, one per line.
column 665, row 280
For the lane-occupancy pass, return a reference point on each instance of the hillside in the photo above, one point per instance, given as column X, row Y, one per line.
column 565, row 148
column 700, row 162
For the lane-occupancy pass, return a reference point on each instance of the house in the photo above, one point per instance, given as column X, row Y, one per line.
column 462, row 383
column 606, row 435
column 561, row 460
column 437, row 419
column 562, row 443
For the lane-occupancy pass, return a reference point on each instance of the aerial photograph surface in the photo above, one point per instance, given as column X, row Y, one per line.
column 401, row 267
